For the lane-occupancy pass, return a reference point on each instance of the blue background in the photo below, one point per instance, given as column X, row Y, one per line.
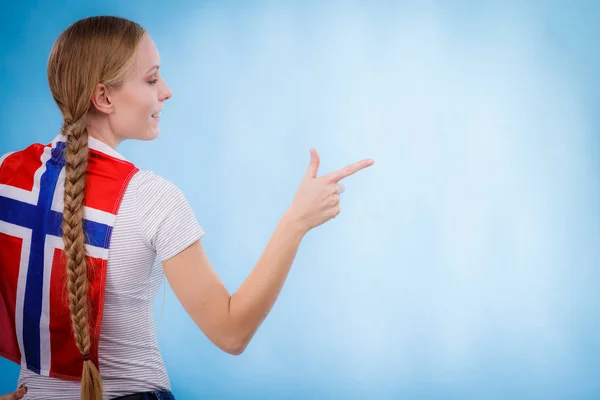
column 464, row 264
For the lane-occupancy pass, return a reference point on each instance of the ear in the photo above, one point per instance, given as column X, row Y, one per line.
column 101, row 99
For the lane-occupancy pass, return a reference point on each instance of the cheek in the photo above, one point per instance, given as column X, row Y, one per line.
column 148, row 105
column 139, row 111
column 136, row 106
column 142, row 104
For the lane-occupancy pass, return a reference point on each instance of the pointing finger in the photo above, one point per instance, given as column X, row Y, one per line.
column 351, row 169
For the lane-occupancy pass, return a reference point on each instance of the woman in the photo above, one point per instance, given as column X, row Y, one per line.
column 82, row 226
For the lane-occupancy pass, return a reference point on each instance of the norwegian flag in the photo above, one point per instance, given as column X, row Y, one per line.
column 35, row 322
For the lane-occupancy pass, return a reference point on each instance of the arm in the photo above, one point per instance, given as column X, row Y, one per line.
column 230, row 322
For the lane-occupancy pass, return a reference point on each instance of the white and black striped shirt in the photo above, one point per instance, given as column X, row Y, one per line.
column 154, row 223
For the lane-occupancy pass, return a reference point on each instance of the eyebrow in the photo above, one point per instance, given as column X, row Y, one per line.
column 155, row 67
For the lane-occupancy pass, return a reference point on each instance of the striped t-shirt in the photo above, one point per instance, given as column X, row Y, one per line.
column 154, row 223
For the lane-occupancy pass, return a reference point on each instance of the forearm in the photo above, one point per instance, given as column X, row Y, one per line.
column 252, row 302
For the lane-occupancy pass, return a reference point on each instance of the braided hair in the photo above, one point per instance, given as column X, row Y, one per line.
column 91, row 51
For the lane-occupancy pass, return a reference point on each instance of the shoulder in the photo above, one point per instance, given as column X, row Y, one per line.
column 148, row 182
column 155, row 194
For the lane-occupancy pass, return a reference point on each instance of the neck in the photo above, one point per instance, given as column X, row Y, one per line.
column 103, row 135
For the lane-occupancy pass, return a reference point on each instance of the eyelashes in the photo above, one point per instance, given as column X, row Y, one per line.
column 153, row 82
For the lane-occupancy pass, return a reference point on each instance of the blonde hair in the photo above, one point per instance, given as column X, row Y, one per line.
column 93, row 50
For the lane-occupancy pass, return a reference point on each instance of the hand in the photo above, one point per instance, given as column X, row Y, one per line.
column 317, row 199
column 18, row 394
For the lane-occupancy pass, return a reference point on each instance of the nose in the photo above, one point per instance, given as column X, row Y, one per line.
column 166, row 93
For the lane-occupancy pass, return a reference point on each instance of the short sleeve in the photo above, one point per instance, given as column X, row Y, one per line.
column 167, row 221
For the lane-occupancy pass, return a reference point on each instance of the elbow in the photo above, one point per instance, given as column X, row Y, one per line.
column 236, row 350
column 234, row 336
column 233, row 346
column 230, row 344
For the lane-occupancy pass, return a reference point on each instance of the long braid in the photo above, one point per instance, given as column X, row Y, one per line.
column 74, row 240
column 92, row 51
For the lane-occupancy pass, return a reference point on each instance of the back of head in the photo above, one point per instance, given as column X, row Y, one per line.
column 91, row 51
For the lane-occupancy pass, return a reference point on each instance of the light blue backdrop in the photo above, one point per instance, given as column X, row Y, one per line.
column 465, row 262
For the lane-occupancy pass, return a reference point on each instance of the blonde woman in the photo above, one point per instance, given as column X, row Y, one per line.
column 80, row 227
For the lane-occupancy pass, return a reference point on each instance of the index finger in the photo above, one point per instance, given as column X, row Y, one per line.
column 351, row 169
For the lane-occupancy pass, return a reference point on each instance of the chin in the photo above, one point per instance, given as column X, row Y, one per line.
column 153, row 134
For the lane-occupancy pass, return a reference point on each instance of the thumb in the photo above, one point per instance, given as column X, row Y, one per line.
column 313, row 167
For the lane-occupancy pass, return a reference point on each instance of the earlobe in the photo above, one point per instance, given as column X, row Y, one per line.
column 101, row 99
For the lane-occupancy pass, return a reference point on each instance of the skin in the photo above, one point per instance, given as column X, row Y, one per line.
column 126, row 112
column 230, row 322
